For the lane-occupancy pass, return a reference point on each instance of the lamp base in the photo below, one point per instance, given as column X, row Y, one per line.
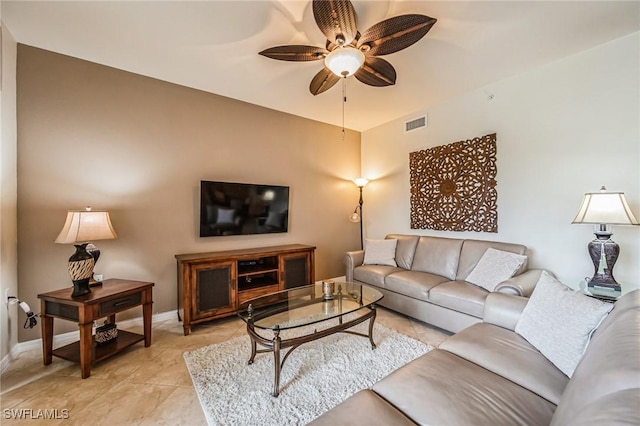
column 80, row 288
column 604, row 254
column 80, row 269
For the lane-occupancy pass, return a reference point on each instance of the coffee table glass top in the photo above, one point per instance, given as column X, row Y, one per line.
column 306, row 305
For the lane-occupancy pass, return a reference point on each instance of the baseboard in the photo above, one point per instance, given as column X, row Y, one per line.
column 336, row 279
column 6, row 360
column 72, row 336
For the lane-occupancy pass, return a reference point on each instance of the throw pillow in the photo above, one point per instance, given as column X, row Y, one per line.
column 274, row 220
column 494, row 267
column 559, row 321
column 225, row 215
column 380, row 252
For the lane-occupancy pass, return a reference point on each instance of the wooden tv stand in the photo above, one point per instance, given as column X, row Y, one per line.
column 216, row 284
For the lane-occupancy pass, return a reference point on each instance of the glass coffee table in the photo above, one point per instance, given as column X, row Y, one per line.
column 295, row 308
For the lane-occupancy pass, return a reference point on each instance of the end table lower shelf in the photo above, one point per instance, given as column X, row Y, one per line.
column 125, row 339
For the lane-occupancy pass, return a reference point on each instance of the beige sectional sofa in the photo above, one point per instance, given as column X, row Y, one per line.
column 489, row 375
column 428, row 282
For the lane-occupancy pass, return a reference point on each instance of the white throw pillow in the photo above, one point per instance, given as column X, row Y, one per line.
column 559, row 322
column 380, row 252
column 225, row 215
column 494, row 267
column 274, row 219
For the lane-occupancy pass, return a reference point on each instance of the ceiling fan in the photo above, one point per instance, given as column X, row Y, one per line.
column 348, row 52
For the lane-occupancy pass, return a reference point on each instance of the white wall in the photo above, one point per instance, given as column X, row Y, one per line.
column 8, row 198
column 562, row 130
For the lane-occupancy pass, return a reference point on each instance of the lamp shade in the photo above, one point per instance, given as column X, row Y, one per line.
column 84, row 226
column 361, row 182
column 605, row 208
column 344, row 61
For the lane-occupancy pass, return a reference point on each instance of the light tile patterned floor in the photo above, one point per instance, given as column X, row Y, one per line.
column 141, row 386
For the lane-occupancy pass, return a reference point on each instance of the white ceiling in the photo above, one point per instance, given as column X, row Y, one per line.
column 214, row 45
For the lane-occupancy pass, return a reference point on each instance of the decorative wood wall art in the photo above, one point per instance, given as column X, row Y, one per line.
column 453, row 187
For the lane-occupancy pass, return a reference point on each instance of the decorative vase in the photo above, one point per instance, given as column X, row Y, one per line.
column 80, row 270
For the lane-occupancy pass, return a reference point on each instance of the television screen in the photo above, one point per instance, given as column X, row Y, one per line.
column 228, row 208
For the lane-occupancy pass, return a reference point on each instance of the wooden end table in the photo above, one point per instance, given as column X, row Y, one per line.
column 113, row 296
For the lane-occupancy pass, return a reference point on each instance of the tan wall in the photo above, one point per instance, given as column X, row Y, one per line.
column 93, row 135
column 9, row 316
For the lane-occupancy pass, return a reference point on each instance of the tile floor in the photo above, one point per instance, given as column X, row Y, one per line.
column 141, row 386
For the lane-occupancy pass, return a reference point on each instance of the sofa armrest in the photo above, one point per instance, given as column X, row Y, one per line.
column 520, row 285
column 503, row 310
column 351, row 260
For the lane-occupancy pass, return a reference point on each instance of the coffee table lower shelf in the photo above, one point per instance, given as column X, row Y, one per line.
column 71, row 352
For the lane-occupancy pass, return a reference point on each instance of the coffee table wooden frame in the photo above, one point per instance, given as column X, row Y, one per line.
column 276, row 344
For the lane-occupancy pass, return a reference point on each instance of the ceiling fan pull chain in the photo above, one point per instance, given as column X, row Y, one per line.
column 344, row 101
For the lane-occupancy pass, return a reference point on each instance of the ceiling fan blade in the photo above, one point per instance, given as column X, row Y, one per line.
column 295, row 53
column 336, row 18
column 323, row 81
column 394, row 34
column 376, row 72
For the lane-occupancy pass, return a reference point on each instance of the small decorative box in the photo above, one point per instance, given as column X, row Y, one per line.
column 106, row 333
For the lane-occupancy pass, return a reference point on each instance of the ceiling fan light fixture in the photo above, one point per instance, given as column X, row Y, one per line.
column 344, row 61
column 349, row 52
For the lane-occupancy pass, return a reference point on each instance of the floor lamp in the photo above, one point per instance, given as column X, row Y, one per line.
column 356, row 216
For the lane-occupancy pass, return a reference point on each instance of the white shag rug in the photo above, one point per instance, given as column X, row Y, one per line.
column 316, row 377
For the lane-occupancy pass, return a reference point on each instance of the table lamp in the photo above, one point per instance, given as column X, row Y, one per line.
column 81, row 228
column 604, row 209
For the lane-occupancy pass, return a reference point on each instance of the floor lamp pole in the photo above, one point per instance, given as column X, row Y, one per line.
column 361, row 202
column 355, row 217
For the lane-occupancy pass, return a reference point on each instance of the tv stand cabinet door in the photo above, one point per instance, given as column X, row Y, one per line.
column 297, row 269
column 213, row 290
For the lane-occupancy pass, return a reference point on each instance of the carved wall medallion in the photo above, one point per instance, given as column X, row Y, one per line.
column 453, row 187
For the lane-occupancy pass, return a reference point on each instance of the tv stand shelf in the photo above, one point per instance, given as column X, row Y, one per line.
column 257, row 272
column 216, row 284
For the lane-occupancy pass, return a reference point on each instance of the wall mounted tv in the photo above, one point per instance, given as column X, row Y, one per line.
column 228, row 208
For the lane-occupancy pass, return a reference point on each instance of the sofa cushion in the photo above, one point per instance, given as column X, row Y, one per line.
column 413, row 284
column 460, row 296
column 406, row 249
column 472, row 251
column 373, row 274
column 438, row 256
column 363, row 408
column 494, row 267
column 440, row 388
column 509, row 355
column 630, row 301
column 610, row 365
column 559, row 322
column 619, row 408
column 380, row 252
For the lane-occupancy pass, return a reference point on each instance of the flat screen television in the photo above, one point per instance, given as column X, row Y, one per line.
column 228, row 208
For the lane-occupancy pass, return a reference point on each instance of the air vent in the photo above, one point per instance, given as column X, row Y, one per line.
column 415, row 124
